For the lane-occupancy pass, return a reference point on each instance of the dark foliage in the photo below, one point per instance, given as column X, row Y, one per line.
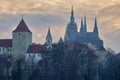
column 62, row 62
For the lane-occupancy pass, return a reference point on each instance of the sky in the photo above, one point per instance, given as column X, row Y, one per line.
column 39, row 15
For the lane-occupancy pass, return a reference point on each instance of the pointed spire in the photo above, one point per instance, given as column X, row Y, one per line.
column 72, row 15
column 95, row 26
column 49, row 37
column 81, row 29
column 85, row 25
column 60, row 40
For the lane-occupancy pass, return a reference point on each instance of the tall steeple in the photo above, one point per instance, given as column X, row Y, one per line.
column 72, row 15
column 95, row 26
column 82, row 27
column 49, row 38
column 71, row 30
column 85, row 25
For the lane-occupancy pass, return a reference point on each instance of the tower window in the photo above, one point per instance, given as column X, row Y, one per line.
column 18, row 33
column 8, row 50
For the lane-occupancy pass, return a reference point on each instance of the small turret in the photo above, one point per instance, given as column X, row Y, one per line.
column 49, row 38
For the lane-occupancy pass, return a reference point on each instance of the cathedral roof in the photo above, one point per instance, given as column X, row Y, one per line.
column 35, row 48
column 22, row 27
column 5, row 42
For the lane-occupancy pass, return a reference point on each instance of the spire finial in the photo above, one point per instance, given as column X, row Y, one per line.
column 22, row 16
column 49, row 37
column 72, row 15
column 72, row 8
column 95, row 21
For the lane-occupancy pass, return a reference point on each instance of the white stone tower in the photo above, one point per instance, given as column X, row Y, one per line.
column 22, row 38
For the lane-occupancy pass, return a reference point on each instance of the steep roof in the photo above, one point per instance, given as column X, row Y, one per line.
column 60, row 40
column 5, row 42
column 35, row 48
column 22, row 27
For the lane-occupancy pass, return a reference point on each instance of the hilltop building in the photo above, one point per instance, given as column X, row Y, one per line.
column 21, row 42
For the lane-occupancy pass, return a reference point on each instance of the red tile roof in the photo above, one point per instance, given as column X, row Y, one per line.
column 5, row 42
column 22, row 27
column 91, row 54
column 35, row 48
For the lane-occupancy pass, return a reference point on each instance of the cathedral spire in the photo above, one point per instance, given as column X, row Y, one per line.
column 85, row 24
column 95, row 27
column 72, row 15
column 81, row 29
column 49, row 37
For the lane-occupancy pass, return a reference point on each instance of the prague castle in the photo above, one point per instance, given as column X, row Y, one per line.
column 21, row 42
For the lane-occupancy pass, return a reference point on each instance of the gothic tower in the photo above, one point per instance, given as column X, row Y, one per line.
column 95, row 31
column 82, row 34
column 49, row 38
column 22, row 38
column 97, row 42
column 71, row 30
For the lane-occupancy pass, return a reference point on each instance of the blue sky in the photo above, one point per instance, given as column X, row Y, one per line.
column 41, row 14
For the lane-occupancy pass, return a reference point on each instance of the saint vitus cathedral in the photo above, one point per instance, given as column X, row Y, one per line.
column 82, row 37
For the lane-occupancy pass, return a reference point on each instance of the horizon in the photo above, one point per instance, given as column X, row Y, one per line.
column 56, row 14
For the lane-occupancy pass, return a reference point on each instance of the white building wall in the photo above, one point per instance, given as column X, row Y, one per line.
column 5, row 50
column 35, row 57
